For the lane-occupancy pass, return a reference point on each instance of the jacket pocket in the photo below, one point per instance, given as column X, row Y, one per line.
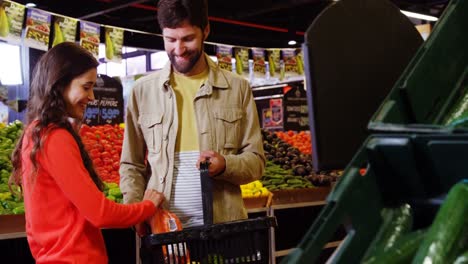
column 152, row 128
column 228, row 126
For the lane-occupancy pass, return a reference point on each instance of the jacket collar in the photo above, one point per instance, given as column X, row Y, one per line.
column 216, row 78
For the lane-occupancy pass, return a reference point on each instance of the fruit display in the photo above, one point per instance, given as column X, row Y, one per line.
column 104, row 145
column 254, row 189
column 10, row 202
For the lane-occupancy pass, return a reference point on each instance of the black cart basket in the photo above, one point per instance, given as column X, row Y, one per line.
column 231, row 242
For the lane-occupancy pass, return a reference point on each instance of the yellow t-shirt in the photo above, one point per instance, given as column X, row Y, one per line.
column 185, row 89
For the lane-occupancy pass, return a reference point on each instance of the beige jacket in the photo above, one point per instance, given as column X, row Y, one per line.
column 227, row 122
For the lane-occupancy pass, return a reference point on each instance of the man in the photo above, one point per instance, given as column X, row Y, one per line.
column 190, row 111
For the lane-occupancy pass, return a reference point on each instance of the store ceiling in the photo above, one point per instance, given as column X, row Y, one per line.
column 251, row 23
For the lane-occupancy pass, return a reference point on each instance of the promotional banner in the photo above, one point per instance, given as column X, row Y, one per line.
column 89, row 37
column 224, row 55
column 241, row 56
column 293, row 63
column 114, row 38
column 273, row 117
column 273, row 56
column 37, row 29
column 259, row 67
column 64, row 29
column 108, row 108
column 11, row 21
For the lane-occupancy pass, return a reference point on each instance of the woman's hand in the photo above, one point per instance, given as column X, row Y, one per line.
column 142, row 229
column 154, row 196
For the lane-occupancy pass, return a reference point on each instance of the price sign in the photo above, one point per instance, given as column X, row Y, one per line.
column 108, row 106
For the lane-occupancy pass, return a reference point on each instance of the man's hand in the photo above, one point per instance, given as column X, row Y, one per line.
column 216, row 160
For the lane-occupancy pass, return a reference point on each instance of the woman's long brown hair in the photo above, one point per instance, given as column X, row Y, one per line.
column 46, row 106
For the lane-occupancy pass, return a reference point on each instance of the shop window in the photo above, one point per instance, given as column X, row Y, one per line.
column 116, row 69
column 10, row 67
column 102, row 68
column 136, row 65
column 158, row 60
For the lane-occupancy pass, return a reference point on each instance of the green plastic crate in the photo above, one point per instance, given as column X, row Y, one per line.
column 433, row 82
column 400, row 168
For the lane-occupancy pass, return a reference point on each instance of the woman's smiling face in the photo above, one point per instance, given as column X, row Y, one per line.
column 79, row 92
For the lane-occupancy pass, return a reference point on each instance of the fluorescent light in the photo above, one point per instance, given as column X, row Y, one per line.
column 292, row 42
column 29, row 5
column 419, row 16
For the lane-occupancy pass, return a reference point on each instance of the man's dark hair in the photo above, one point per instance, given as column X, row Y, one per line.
column 171, row 13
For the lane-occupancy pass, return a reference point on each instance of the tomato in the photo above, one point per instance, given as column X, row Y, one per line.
column 97, row 162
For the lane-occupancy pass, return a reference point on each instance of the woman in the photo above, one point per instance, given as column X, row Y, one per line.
column 64, row 203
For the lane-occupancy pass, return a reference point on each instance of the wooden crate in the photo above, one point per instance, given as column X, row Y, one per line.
column 300, row 195
column 258, row 202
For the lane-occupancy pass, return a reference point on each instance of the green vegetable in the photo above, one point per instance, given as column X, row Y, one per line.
column 396, row 222
column 18, row 210
column 448, row 235
column 115, row 192
column 462, row 259
column 402, row 251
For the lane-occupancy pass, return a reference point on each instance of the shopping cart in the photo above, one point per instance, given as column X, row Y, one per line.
column 231, row 242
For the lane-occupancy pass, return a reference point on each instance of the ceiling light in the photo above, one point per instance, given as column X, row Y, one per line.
column 292, row 42
column 419, row 16
column 29, row 5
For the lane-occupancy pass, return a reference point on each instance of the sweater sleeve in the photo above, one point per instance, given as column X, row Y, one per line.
column 61, row 159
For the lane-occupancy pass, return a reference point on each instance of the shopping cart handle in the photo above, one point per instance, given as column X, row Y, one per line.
column 207, row 193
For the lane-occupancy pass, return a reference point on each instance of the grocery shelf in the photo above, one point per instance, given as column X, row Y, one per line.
column 12, row 235
column 297, row 205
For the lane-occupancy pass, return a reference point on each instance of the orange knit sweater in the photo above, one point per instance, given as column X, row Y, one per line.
column 64, row 208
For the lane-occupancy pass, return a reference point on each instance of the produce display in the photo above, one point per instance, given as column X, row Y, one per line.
column 10, row 202
column 290, row 167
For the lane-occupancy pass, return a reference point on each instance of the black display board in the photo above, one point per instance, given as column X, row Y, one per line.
column 354, row 52
column 295, row 109
column 108, row 106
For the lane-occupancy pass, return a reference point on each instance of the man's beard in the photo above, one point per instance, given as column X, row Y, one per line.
column 194, row 55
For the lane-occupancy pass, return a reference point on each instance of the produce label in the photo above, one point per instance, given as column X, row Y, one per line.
column 89, row 37
column 242, row 61
column 11, row 21
column 108, row 106
column 37, row 29
column 64, row 30
column 114, row 38
column 224, row 55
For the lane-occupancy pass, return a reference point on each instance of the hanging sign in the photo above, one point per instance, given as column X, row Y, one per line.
column 64, row 29
column 114, row 38
column 89, row 37
column 241, row 56
column 37, row 29
column 11, row 21
column 224, row 56
column 274, row 62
